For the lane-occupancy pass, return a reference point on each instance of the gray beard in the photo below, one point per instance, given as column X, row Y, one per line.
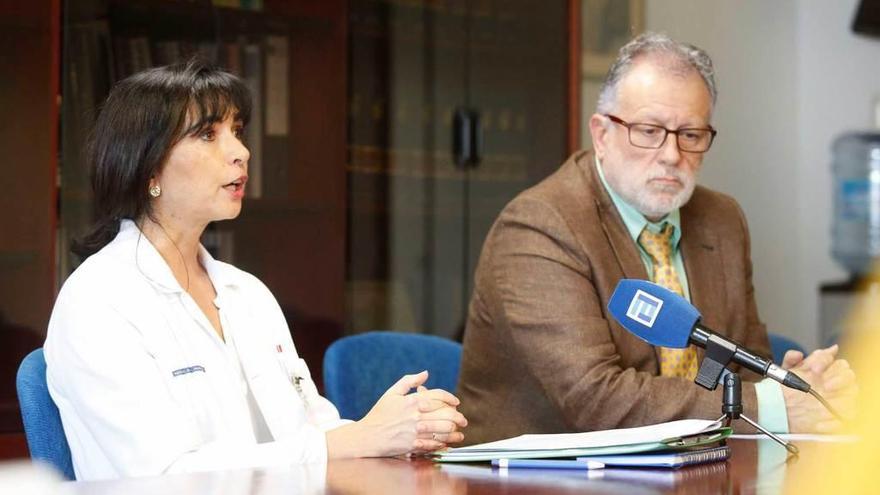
column 651, row 207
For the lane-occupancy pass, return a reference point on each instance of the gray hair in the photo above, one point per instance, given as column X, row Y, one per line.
column 679, row 57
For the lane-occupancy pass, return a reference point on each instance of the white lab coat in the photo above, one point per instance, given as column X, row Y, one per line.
column 145, row 386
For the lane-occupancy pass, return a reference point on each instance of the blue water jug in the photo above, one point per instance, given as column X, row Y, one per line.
column 855, row 231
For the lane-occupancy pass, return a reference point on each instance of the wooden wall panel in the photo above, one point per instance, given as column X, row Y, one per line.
column 29, row 47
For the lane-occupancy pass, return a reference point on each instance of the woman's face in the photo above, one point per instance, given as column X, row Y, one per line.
column 204, row 177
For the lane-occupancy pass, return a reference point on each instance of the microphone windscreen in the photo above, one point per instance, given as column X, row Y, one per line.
column 653, row 313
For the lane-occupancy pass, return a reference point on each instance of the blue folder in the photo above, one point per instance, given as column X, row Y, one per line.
column 664, row 459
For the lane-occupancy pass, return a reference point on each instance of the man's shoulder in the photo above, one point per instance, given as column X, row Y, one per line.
column 569, row 188
column 708, row 206
column 705, row 199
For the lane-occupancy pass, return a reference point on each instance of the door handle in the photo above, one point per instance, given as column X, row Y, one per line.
column 467, row 139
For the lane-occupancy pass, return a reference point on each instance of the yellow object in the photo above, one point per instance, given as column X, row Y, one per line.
column 851, row 468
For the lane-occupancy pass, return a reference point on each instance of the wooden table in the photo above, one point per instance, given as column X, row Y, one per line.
column 741, row 474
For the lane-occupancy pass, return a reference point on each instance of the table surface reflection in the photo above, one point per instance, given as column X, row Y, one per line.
column 755, row 466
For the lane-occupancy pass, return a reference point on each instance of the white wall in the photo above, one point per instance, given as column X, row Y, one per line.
column 791, row 76
column 754, row 157
column 838, row 75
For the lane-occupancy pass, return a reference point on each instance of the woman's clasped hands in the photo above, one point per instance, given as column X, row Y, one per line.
column 402, row 422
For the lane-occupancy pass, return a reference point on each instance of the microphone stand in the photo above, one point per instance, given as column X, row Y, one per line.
column 713, row 370
column 732, row 408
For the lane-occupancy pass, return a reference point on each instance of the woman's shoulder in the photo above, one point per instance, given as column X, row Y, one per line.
column 111, row 274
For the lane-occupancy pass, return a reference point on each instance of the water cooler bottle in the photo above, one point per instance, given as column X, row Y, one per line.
column 855, row 231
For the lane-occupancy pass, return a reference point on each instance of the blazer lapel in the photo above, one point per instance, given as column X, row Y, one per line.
column 622, row 245
column 702, row 257
column 625, row 253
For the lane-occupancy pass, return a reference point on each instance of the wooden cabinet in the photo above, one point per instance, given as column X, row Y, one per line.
column 454, row 108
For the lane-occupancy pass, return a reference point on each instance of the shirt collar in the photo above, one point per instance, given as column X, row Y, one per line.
column 150, row 262
column 633, row 219
column 221, row 274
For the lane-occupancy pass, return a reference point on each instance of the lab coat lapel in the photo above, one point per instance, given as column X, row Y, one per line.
column 275, row 396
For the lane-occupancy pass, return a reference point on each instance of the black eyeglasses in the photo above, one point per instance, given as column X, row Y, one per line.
column 653, row 136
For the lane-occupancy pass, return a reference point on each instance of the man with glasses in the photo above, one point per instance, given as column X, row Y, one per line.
column 541, row 352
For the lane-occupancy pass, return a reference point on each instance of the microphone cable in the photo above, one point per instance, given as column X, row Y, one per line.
column 826, row 404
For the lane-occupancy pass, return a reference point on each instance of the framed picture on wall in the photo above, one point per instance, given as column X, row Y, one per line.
column 606, row 26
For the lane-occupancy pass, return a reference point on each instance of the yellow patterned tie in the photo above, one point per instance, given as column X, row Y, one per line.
column 673, row 362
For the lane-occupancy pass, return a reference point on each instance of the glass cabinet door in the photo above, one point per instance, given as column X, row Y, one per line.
column 455, row 107
column 518, row 86
column 405, row 193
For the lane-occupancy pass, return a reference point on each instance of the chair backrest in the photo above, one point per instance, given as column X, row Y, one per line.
column 358, row 369
column 779, row 345
column 42, row 422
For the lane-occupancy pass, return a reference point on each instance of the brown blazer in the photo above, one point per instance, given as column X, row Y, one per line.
column 541, row 352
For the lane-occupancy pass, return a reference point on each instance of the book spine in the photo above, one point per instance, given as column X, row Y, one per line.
column 252, row 65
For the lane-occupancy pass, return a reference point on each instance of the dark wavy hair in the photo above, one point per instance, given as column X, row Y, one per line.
column 144, row 116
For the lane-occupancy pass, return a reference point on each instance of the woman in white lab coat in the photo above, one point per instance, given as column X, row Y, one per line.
column 162, row 359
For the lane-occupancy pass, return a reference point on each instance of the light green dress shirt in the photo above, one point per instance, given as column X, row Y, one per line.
column 771, row 405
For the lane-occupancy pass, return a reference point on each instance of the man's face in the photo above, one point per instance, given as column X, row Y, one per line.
column 654, row 181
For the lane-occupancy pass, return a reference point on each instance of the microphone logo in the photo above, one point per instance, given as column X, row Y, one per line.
column 644, row 308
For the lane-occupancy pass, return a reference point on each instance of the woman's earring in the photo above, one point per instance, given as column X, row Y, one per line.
column 155, row 191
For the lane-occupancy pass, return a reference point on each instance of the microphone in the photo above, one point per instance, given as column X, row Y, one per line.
column 661, row 317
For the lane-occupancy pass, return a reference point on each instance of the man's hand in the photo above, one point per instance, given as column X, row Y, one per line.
column 832, row 378
column 817, row 361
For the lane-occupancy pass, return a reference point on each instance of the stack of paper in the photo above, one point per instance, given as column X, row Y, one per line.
column 664, row 436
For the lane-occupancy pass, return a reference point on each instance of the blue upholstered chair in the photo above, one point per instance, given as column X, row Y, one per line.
column 358, row 369
column 779, row 345
column 42, row 423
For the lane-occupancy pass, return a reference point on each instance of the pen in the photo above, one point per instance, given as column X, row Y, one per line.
column 546, row 464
